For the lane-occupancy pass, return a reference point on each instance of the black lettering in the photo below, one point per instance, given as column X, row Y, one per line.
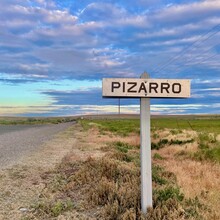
column 176, row 88
column 165, row 86
column 123, row 86
column 115, row 85
column 142, row 87
column 133, row 85
column 153, row 86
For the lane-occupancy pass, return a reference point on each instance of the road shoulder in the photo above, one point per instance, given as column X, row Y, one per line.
column 21, row 184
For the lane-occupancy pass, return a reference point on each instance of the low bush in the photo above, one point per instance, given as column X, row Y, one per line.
column 209, row 148
column 212, row 154
column 169, row 192
column 158, row 157
column 115, row 186
column 163, row 142
column 123, row 147
column 54, row 208
column 205, row 140
column 181, row 142
column 159, row 145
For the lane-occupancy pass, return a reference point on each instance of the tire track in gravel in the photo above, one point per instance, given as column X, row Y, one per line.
column 19, row 141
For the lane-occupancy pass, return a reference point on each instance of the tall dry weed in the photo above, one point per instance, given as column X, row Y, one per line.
column 114, row 185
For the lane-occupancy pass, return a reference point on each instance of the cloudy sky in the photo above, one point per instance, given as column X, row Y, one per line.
column 54, row 54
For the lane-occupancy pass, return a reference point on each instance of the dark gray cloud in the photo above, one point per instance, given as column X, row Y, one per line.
column 89, row 97
column 93, row 96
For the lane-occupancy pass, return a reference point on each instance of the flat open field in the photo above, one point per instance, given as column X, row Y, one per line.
column 208, row 123
column 99, row 175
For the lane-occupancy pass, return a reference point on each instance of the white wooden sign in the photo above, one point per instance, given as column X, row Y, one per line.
column 152, row 88
column 145, row 88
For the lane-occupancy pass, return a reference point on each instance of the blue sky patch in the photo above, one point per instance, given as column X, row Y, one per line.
column 57, row 52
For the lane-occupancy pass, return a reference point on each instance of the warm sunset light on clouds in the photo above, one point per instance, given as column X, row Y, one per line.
column 55, row 53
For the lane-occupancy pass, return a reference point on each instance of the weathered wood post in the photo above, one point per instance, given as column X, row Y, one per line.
column 146, row 175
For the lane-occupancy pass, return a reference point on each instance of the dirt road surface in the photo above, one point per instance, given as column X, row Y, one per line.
column 18, row 141
column 36, row 150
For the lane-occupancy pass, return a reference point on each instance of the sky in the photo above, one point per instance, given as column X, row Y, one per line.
column 54, row 54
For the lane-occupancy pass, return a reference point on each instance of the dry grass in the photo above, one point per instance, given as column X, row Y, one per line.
column 107, row 185
column 100, row 179
column 93, row 137
column 201, row 179
column 196, row 178
column 110, row 189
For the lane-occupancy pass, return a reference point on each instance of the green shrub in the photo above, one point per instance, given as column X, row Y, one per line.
column 181, row 142
column 209, row 148
column 157, row 175
column 158, row 156
column 52, row 208
column 122, row 147
column 155, row 136
column 168, row 192
column 159, row 145
column 212, row 154
column 205, row 139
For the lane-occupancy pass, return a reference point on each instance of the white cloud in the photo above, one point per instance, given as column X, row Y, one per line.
column 36, row 66
column 180, row 30
column 100, row 41
column 102, row 10
column 210, row 89
column 59, row 17
column 112, row 15
column 135, row 21
column 206, row 81
column 185, row 12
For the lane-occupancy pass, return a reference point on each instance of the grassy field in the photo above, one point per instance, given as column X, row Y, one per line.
column 100, row 177
column 209, row 124
column 208, row 128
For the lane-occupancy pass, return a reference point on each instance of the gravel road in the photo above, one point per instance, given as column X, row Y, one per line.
column 17, row 141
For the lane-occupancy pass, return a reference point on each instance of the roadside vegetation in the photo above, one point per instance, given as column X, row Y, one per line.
column 209, row 148
column 208, row 124
column 34, row 121
column 120, row 127
column 106, row 183
column 110, row 188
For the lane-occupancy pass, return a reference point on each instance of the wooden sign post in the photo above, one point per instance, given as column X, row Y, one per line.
column 146, row 172
column 145, row 88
